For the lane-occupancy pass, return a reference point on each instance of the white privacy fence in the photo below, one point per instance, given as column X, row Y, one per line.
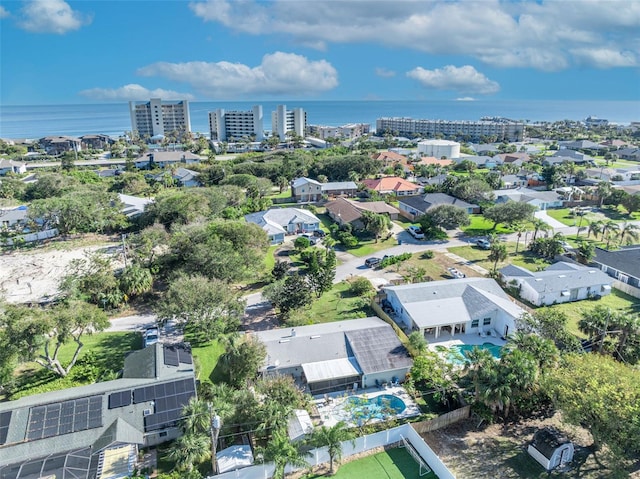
column 362, row 444
column 30, row 237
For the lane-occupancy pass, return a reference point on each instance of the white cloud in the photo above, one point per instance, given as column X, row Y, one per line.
column 278, row 74
column 51, row 16
column 133, row 92
column 384, row 73
column 464, row 79
column 4, row 13
column 547, row 35
column 466, row 98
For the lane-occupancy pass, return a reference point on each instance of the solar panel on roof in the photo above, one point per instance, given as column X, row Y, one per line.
column 5, row 420
column 171, row 356
column 64, row 417
column 119, row 399
column 184, row 356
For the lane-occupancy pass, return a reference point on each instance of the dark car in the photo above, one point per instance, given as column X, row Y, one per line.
column 372, row 262
column 319, row 234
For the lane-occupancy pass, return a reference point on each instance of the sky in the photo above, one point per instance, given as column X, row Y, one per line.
column 66, row 52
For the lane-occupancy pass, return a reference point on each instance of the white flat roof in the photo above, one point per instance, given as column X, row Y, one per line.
column 429, row 314
column 332, row 369
column 234, row 457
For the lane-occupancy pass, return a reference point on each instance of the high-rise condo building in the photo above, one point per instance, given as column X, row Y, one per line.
column 233, row 125
column 157, row 117
column 501, row 129
column 284, row 121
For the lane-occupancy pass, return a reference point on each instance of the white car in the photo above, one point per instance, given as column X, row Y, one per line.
column 151, row 336
column 416, row 232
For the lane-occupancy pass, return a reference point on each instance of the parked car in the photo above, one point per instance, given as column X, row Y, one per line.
column 483, row 243
column 455, row 273
column 372, row 262
column 416, row 232
column 150, row 336
column 319, row 234
column 312, row 240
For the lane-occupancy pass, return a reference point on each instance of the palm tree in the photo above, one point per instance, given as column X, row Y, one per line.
column 332, row 438
column 603, row 190
column 498, row 253
column 595, row 227
column 630, row 230
column 190, row 449
column 539, row 225
column 196, row 417
column 543, row 350
column 609, row 229
column 282, row 453
column 135, row 280
column 479, row 360
column 519, row 228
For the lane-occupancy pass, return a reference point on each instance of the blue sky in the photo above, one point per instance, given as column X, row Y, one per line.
column 56, row 51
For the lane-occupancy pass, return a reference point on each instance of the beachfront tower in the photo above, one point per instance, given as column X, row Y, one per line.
column 283, row 121
column 157, row 117
column 227, row 125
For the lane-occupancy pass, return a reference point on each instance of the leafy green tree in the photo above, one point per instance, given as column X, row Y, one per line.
column 550, row 324
column 332, row 438
column 479, row 362
column 539, row 225
column 242, row 359
column 473, row 190
column 448, row 216
column 179, row 207
column 280, row 269
column 92, row 279
column 301, row 243
column 375, row 224
column 290, row 294
column 282, row 452
column 603, row 190
column 321, row 271
column 544, row 351
column 49, row 185
column 602, row 395
column 209, row 308
column 509, row 212
column 432, row 374
column 630, row 232
column 417, row 341
column 361, row 286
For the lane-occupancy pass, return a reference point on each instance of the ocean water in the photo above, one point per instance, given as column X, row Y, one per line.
column 36, row 121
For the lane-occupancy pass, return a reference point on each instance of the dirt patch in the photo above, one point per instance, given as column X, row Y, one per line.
column 499, row 450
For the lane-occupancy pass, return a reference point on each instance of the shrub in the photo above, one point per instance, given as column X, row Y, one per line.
column 301, row 243
column 427, row 254
column 388, row 261
column 361, row 287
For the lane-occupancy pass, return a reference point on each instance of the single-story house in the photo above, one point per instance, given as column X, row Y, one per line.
column 622, row 264
column 551, row 448
column 278, row 222
column 571, row 156
column 580, row 145
column 95, row 430
column 632, row 154
column 343, row 211
column 328, row 357
column 133, row 205
column 163, row 159
column 392, row 185
column 306, row 190
column 514, row 181
column 631, row 189
column 514, row 158
column 14, row 218
column 432, row 160
column 416, row 206
column 561, row 282
column 455, row 306
column 10, row 166
column 432, row 181
column 182, row 176
column 540, row 199
column 390, row 158
column 488, row 162
column 339, row 188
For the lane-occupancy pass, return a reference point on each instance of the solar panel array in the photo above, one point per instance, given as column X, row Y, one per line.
column 119, row 399
column 169, row 399
column 174, row 355
column 64, row 417
column 5, row 419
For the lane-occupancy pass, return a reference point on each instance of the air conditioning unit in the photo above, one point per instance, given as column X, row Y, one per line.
column 147, row 412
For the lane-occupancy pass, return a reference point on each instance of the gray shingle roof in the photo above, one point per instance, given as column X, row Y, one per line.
column 339, row 186
column 378, row 350
column 625, row 260
column 282, row 216
column 563, row 277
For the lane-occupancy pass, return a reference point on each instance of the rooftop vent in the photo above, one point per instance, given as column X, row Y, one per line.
column 538, row 279
column 315, row 336
column 562, row 276
column 284, row 340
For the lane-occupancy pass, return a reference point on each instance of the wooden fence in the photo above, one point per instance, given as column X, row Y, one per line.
column 442, row 421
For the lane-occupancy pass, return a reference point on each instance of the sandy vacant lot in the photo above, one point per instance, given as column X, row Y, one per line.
column 33, row 276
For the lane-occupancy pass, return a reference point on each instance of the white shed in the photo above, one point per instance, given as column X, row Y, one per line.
column 550, row 448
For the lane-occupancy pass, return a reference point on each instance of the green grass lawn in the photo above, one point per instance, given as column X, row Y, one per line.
column 206, row 359
column 335, row 305
column 286, row 193
column 369, row 247
column 524, row 258
column 615, row 213
column 435, row 268
column 108, row 351
column 270, row 259
column 480, row 226
column 392, row 464
column 617, row 300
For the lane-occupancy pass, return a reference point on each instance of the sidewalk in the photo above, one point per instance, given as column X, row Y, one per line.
column 467, row 263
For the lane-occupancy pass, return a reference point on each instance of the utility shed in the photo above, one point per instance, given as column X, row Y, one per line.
column 551, row 448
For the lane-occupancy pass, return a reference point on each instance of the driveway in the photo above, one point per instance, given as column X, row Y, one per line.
column 171, row 332
column 554, row 223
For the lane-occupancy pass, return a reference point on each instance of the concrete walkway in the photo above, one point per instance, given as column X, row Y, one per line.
column 554, row 223
column 467, row 263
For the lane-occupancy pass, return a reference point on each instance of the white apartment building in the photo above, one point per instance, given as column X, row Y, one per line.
column 503, row 130
column 157, row 117
column 351, row 130
column 283, row 121
column 227, row 125
column 439, row 148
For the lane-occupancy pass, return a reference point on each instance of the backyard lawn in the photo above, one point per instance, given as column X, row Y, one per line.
column 392, row 464
column 614, row 213
column 102, row 352
column 435, row 268
column 335, row 305
column 524, row 258
column 206, row 359
column 617, row 300
column 480, row 226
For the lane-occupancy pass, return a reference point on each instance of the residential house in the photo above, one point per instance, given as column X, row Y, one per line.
column 517, row 159
column 306, row 190
column 278, row 222
column 432, row 160
column 14, row 218
column 613, row 174
column 631, row 189
column 488, row 162
column 571, row 156
column 95, row 430
column 514, row 181
column 392, row 185
column 455, row 306
column 339, row 188
column 336, row 356
column 55, row 145
column 432, row 181
column 622, row 264
column 415, row 206
column 632, row 154
column 181, row 176
column 163, row 159
column 390, row 158
column 561, row 282
column 540, row 199
column 581, row 145
column 344, row 211
column 97, row 142
column 551, row 449
column 10, row 166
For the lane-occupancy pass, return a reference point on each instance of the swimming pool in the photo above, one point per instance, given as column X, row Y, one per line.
column 378, row 407
column 462, row 349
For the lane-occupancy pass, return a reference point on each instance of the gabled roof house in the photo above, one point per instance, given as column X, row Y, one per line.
column 10, row 166
column 336, row 356
column 455, row 306
column 622, row 264
column 415, row 206
column 561, row 282
column 278, row 222
column 343, row 210
column 540, row 199
column 392, row 185
column 95, row 430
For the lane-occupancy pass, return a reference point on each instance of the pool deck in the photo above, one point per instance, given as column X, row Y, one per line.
column 331, row 407
column 446, row 340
